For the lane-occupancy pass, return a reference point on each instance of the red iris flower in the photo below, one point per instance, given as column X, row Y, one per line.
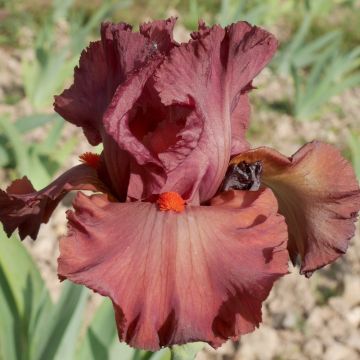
column 186, row 247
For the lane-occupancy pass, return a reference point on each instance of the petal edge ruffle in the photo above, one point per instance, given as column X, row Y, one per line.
column 25, row 209
column 176, row 278
column 319, row 196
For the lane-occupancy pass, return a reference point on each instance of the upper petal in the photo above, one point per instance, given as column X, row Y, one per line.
column 239, row 124
column 319, row 196
column 84, row 102
column 210, row 73
column 103, row 67
column 178, row 277
column 106, row 64
column 25, row 209
column 160, row 32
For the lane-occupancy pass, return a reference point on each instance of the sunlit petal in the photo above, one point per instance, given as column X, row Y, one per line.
column 319, row 196
column 200, row 274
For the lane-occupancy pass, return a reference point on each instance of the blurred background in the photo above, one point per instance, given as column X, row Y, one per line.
column 310, row 90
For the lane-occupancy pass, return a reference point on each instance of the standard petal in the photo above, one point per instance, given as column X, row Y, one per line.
column 319, row 196
column 178, row 277
column 103, row 66
column 160, row 32
column 120, row 56
column 122, row 136
column 84, row 102
column 239, row 124
column 210, row 73
column 25, row 209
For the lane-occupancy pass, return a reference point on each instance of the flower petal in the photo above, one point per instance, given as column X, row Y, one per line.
column 178, row 277
column 24, row 208
column 104, row 65
column 160, row 32
column 319, row 196
column 209, row 74
column 117, row 122
column 81, row 104
column 239, row 124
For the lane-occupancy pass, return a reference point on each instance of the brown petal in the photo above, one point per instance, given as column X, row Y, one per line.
column 211, row 74
column 24, row 208
column 201, row 274
column 319, row 196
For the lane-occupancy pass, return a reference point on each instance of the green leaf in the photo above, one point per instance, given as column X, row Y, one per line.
column 164, row 354
column 23, row 276
column 37, row 173
column 68, row 345
column 17, row 144
column 48, row 145
column 121, row 351
column 22, row 289
column 354, row 144
column 31, row 122
column 4, row 156
column 51, row 335
column 186, row 352
column 100, row 334
column 10, row 322
column 62, row 154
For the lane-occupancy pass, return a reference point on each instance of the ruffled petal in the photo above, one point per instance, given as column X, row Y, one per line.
column 106, row 64
column 178, row 277
column 319, row 196
column 142, row 162
column 209, row 74
column 84, row 102
column 24, row 208
column 160, row 32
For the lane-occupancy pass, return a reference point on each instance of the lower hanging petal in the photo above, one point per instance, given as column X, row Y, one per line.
column 201, row 274
column 319, row 196
column 24, row 208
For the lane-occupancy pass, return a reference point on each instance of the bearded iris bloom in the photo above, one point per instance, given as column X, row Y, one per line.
column 186, row 246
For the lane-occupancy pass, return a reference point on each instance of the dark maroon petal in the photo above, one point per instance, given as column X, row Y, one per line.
column 200, row 117
column 104, row 65
column 84, row 102
column 153, row 153
column 201, row 274
column 24, row 208
column 319, row 196
column 142, row 163
column 209, row 74
column 160, row 32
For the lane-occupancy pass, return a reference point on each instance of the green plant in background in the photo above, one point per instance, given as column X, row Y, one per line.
column 39, row 161
column 254, row 11
column 354, row 145
column 331, row 74
column 43, row 76
column 32, row 327
column 318, row 67
column 300, row 52
column 53, row 64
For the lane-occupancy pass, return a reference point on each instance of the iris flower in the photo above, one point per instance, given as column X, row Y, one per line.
column 186, row 246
